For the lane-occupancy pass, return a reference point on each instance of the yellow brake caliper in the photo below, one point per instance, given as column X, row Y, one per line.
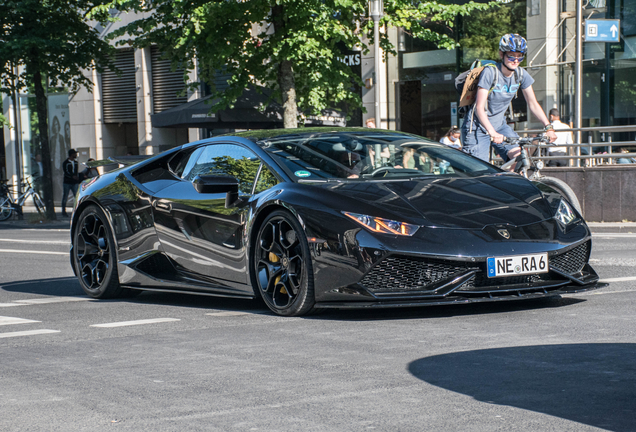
column 273, row 258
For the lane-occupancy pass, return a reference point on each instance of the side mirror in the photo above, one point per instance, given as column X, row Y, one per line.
column 212, row 184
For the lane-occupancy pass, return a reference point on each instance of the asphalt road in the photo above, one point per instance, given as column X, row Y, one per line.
column 167, row 362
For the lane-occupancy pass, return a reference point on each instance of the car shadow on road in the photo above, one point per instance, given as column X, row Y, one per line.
column 63, row 287
column 69, row 286
column 593, row 384
column 445, row 311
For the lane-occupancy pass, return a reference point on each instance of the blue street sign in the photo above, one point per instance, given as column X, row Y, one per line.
column 602, row 30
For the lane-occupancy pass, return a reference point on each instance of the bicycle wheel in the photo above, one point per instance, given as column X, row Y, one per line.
column 565, row 190
column 5, row 208
column 39, row 205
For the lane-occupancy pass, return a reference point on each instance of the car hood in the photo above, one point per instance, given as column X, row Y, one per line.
column 468, row 203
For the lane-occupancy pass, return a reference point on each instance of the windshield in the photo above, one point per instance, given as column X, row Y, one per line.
column 369, row 156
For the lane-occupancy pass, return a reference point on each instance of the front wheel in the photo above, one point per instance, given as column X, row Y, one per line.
column 39, row 205
column 94, row 256
column 281, row 266
column 565, row 190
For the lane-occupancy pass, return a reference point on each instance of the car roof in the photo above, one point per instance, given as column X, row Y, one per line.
column 260, row 134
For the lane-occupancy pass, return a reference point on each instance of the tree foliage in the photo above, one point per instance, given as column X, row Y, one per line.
column 484, row 28
column 291, row 46
column 54, row 40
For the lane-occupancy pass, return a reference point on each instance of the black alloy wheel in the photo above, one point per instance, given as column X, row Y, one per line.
column 282, row 266
column 94, row 256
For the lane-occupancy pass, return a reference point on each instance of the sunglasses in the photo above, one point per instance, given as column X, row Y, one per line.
column 515, row 59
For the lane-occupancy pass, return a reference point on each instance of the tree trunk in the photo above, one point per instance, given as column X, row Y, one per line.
column 47, row 183
column 285, row 74
column 288, row 88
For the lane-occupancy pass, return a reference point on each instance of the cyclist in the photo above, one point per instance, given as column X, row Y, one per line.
column 488, row 122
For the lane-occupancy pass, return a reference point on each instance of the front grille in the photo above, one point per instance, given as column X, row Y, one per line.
column 403, row 274
column 572, row 261
column 399, row 273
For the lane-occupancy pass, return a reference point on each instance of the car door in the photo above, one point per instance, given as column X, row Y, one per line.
column 203, row 236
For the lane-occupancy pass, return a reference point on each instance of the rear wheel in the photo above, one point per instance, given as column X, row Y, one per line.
column 281, row 266
column 5, row 207
column 39, row 205
column 94, row 254
column 565, row 190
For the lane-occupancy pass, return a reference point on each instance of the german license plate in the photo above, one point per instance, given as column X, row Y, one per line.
column 517, row 265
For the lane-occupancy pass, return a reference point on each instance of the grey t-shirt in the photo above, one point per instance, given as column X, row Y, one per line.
column 501, row 96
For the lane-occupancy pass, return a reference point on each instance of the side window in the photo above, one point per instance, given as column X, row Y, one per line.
column 185, row 166
column 226, row 159
column 265, row 180
column 183, row 161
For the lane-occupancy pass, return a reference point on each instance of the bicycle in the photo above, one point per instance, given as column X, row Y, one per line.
column 8, row 204
column 524, row 163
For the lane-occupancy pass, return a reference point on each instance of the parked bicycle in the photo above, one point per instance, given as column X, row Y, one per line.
column 530, row 168
column 9, row 205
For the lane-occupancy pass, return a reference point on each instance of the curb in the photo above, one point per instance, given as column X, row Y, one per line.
column 612, row 227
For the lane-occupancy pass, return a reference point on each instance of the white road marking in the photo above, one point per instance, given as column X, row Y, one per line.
column 620, row 279
column 47, row 300
column 27, row 333
column 10, row 304
column 228, row 313
column 51, row 242
column 11, row 320
column 33, row 252
column 132, row 323
column 613, row 235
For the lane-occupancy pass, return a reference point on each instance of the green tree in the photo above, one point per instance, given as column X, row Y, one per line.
column 291, row 46
column 484, row 28
column 54, row 40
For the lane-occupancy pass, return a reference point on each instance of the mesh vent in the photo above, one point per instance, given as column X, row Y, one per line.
column 156, row 265
column 397, row 273
column 572, row 261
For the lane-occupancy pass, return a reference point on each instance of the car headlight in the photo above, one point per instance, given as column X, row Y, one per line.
column 385, row 226
column 564, row 213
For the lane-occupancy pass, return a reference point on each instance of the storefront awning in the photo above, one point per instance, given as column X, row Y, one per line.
column 253, row 110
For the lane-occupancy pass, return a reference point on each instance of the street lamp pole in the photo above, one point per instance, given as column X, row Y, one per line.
column 578, row 73
column 376, row 10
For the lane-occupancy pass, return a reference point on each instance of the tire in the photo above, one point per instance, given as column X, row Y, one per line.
column 39, row 205
column 6, row 208
column 94, row 255
column 281, row 268
column 565, row 190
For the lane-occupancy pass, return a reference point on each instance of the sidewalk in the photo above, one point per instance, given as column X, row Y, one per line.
column 612, row 227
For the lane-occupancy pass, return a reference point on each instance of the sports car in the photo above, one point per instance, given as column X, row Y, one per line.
column 308, row 219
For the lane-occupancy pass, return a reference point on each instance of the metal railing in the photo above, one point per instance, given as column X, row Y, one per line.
column 582, row 154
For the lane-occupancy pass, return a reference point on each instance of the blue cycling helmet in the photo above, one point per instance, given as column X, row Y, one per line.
column 513, row 42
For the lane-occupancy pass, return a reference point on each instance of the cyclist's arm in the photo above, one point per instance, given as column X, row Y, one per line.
column 537, row 110
column 480, row 112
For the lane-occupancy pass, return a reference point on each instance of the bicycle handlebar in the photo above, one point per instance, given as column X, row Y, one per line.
column 529, row 140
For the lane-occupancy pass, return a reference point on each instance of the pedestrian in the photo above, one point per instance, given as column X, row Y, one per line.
column 562, row 138
column 486, row 119
column 71, row 178
column 370, row 123
column 89, row 172
column 452, row 138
